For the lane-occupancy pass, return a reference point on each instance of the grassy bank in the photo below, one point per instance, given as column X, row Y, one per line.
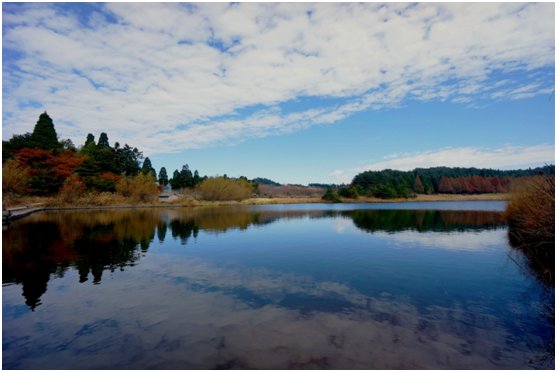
column 531, row 218
column 190, row 200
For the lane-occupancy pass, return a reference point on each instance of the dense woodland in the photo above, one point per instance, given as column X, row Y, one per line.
column 443, row 180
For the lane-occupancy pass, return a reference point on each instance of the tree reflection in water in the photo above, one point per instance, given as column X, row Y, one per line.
column 48, row 245
column 94, row 241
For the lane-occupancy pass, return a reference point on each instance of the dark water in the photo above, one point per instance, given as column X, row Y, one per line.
column 410, row 285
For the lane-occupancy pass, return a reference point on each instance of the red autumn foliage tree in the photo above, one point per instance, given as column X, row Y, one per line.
column 48, row 170
column 65, row 163
column 445, row 186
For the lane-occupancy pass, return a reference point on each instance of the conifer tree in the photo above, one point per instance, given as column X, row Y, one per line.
column 148, row 167
column 90, row 139
column 163, row 177
column 103, row 140
column 44, row 135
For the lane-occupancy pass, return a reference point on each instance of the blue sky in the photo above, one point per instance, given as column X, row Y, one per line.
column 297, row 93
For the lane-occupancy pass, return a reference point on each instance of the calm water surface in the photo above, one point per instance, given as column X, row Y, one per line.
column 405, row 285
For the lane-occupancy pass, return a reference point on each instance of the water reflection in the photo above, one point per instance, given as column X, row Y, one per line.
column 95, row 241
column 199, row 298
column 425, row 220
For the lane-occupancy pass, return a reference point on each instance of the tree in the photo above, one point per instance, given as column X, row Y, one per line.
column 446, row 186
column 103, row 140
column 186, row 176
column 89, row 148
column 44, row 135
column 418, row 185
column 90, row 139
column 163, row 177
column 16, row 143
column 148, row 168
column 196, row 178
column 175, row 181
column 127, row 160
column 332, row 196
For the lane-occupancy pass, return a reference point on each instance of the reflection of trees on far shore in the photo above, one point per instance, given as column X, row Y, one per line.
column 48, row 244
column 425, row 220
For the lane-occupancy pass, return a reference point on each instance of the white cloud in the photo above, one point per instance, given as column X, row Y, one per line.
column 498, row 158
column 461, row 241
column 175, row 68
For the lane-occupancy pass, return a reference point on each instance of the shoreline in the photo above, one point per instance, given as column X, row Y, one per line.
column 25, row 209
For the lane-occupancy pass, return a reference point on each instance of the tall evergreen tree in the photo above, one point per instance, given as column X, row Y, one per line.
column 44, row 135
column 89, row 148
column 163, row 177
column 196, row 178
column 103, row 140
column 175, row 181
column 186, row 176
column 90, row 139
column 148, row 167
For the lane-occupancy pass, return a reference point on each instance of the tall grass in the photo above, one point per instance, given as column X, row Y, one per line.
column 531, row 219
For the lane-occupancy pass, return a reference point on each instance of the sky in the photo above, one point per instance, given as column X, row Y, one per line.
column 295, row 92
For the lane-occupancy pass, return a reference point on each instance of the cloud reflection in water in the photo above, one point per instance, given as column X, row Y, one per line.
column 179, row 309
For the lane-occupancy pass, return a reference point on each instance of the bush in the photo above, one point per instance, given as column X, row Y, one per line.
column 331, row 195
column 15, row 177
column 140, row 188
column 72, row 188
column 220, row 188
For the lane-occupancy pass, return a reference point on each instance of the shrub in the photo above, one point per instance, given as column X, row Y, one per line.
column 140, row 188
column 220, row 188
column 331, row 195
column 15, row 177
column 72, row 188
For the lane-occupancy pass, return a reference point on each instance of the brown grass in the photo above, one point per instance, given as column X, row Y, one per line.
column 531, row 211
column 193, row 199
column 531, row 218
column 435, row 197
column 290, row 191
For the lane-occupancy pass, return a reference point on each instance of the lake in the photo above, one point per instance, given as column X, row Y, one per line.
column 328, row 286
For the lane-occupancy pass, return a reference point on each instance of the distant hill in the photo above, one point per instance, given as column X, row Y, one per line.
column 390, row 183
column 265, row 181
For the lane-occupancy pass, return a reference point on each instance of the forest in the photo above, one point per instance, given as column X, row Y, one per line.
column 390, row 183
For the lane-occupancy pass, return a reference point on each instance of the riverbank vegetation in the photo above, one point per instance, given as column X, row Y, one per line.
column 531, row 218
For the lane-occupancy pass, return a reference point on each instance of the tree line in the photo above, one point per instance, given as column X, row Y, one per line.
column 38, row 163
column 390, row 183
